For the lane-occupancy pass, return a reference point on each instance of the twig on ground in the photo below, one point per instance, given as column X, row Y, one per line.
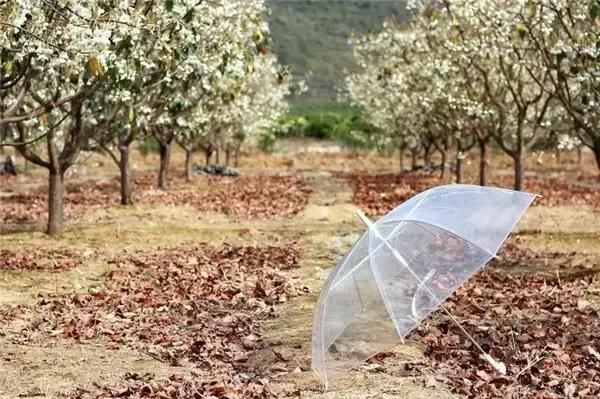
column 532, row 363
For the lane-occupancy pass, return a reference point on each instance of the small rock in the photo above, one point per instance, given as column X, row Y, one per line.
column 569, row 390
column 582, row 305
column 33, row 392
column 430, row 382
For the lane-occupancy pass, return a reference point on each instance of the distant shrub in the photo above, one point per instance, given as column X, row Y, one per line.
column 325, row 121
column 148, row 146
column 266, row 141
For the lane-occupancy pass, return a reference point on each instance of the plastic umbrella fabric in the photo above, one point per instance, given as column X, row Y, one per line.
column 404, row 266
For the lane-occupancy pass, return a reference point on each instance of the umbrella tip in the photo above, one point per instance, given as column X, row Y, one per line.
column 363, row 218
column 498, row 366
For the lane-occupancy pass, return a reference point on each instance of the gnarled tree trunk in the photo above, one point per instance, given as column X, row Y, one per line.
column 401, row 158
column 443, row 149
column 3, row 135
column 443, row 165
column 227, row 156
column 413, row 160
column 596, row 150
column 427, row 154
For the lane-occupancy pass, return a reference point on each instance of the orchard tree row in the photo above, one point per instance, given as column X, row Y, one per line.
column 523, row 73
column 97, row 75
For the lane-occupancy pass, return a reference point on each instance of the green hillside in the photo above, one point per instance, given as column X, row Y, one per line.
column 312, row 36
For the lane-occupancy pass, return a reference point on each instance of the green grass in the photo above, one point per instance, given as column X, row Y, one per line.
column 324, row 107
column 325, row 120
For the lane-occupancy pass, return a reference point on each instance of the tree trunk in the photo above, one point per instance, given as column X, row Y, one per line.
column 413, row 161
column 401, row 159
column 519, row 154
column 596, row 150
column 189, row 165
column 207, row 156
column 227, row 156
column 125, row 175
column 443, row 165
column 580, row 156
column 519, row 170
column 165, row 158
column 427, row 155
column 56, row 194
column 3, row 134
column 459, row 166
column 236, row 157
column 483, row 154
column 217, row 156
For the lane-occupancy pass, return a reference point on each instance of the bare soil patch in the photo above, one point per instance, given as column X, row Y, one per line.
column 517, row 258
column 377, row 194
column 570, row 223
column 52, row 371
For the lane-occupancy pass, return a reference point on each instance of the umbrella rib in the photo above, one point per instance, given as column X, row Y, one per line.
column 379, row 286
column 366, row 258
column 395, row 231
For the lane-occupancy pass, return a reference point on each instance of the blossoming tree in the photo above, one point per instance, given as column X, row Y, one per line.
column 97, row 74
column 472, row 72
column 54, row 59
column 566, row 37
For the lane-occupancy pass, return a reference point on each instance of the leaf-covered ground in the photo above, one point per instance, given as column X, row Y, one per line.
column 39, row 259
column 377, row 194
column 545, row 331
column 198, row 306
column 233, row 321
column 244, row 196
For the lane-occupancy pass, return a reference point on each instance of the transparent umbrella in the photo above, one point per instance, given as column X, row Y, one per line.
column 403, row 268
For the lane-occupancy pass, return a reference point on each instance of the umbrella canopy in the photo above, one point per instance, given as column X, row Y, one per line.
column 404, row 266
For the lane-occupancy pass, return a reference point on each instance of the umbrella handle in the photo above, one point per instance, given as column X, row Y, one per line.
column 414, row 299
